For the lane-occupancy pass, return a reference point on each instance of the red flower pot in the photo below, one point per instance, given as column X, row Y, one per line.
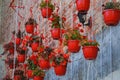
column 44, row 64
column 29, row 28
column 55, row 33
column 11, row 66
column 73, row 46
column 46, row 12
column 29, row 73
column 35, row 46
column 90, row 52
column 17, row 77
column 111, row 17
column 83, row 5
column 37, row 78
column 21, row 58
column 18, row 40
column 60, row 70
column 11, row 51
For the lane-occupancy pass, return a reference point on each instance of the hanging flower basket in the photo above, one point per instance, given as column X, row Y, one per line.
column 46, row 8
column 18, row 40
column 44, row 64
column 29, row 28
column 55, row 33
column 21, row 58
column 73, row 46
column 30, row 73
column 90, row 50
column 11, row 51
column 83, row 5
column 38, row 78
column 17, row 77
column 111, row 13
column 35, row 46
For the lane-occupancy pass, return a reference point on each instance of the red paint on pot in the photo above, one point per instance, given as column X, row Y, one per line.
column 111, row 17
column 21, row 58
column 18, row 40
column 29, row 73
column 17, row 77
column 73, row 46
column 38, row 78
column 46, row 12
column 55, row 33
column 44, row 64
column 35, row 46
column 29, row 29
column 90, row 52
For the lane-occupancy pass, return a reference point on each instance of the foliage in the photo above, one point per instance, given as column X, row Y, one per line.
column 31, row 22
column 38, row 72
column 89, row 43
column 21, row 50
column 18, row 72
column 45, row 4
column 112, row 5
column 31, row 65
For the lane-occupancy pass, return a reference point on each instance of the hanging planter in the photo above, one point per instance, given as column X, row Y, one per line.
column 18, row 40
column 35, row 46
column 30, row 73
column 55, row 32
column 83, row 5
column 46, row 8
column 73, row 38
column 44, row 64
column 11, row 51
column 38, row 78
column 17, row 77
column 111, row 13
column 90, row 50
column 30, row 25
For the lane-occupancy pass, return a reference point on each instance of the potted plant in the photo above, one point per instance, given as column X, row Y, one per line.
column 83, row 5
column 30, row 25
column 38, row 74
column 56, row 26
column 111, row 13
column 31, row 67
column 72, row 39
column 59, row 62
column 90, row 49
column 21, row 55
column 19, row 75
column 46, row 8
column 44, row 53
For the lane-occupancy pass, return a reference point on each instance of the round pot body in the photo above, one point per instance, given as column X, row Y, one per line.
column 83, row 5
column 11, row 51
column 111, row 17
column 44, row 64
column 35, row 46
column 29, row 73
column 46, row 12
column 73, row 46
column 21, row 58
column 17, row 77
column 55, row 33
column 18, row 40
column 29, row 29
column 38, row 78
column 90, row 52
column 60, row 70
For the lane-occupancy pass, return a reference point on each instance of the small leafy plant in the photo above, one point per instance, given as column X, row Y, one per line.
column 89, row 43
column 21, row 50
column 45, row 4
column 112, row 5
column 31, row 22
column 38, row 72
column 31, row 65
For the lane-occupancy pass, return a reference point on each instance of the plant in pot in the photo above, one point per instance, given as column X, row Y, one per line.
column 19, row 75
column 31, row 66
column 46, row 8
column 44, row 61
column 90, row 49
column 72, row 40
column 38, row 74
column 111, row 13
column 59, row 62
column 21, row 55
column 35, row 42
column 57, row 24
column 83, row 5
column 30, row 25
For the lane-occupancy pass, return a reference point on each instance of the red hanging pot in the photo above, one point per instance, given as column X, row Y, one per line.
column 90, row 52
column 18, row 40
column 29, row 73
column 83, row 5
column 55, row 33
column 60, row 70
column 111, row 17
column 11, row 66
column 46, row 12
column 29, row 29
column 21, row 58
column 11, row 51
column 38, row 78
column 17, row 77
column 35, row 46
column 44, row 64
column 73, row 46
